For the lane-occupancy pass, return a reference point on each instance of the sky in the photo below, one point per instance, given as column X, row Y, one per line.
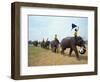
column 47, row 26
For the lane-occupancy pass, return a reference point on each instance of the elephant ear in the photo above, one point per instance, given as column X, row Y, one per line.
column 80, row 39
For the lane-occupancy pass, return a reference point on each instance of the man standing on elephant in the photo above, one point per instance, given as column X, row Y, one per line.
column 76, row 33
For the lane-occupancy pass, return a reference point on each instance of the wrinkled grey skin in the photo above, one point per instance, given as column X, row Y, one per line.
column 69, row 42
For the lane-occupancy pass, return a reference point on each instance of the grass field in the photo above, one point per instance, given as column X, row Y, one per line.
column 42, row 57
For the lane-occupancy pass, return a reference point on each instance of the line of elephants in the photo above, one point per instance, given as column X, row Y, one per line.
column 67, row 42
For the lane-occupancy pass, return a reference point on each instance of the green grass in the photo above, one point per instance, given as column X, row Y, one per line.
column 36, row 51
column 38, row 56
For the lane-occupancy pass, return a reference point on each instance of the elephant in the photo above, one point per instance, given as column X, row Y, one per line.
column 72, row 42
column 46, row 45
column 43, row 44
column 35, row 43
column 55, row 45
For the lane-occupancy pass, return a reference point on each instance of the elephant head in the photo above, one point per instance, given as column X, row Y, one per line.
column 80, row 42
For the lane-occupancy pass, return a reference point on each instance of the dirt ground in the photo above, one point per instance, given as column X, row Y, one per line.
column 42, row 57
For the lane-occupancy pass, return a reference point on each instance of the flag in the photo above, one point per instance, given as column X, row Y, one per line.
column 73, row 25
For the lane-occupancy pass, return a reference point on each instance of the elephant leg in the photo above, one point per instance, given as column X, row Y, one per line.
column 76, row 52
column 62, row 51
column 70, row 51
column 55, row 49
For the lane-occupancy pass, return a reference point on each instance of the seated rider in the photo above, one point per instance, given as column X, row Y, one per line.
column 76, row 34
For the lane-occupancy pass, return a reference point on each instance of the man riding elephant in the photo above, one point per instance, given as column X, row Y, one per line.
column 69, row 42
column 75, row 31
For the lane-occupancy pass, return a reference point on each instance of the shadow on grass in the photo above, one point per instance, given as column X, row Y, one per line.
column 82, row 57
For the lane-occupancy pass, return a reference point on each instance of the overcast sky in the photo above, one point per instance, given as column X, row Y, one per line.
column 47, row 26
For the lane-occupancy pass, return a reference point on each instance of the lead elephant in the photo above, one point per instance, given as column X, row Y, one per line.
column 71, row 42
